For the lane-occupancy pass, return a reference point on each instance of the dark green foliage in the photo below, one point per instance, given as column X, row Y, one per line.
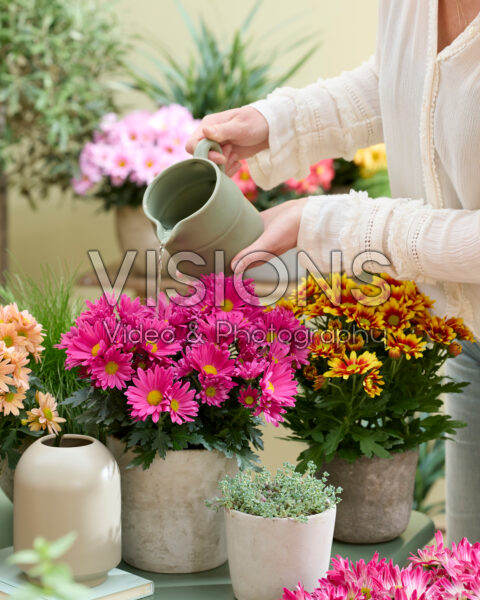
column 229, row 428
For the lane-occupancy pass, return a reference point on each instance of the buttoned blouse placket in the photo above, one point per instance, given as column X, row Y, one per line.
column 431, row 181
column 454, row 295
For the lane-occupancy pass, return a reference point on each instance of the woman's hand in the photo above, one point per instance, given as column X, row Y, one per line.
column 281, row 224
column 242, row 132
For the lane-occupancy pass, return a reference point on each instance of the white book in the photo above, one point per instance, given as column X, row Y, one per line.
column 119, row 585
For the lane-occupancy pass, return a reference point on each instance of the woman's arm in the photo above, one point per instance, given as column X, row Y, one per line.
column 421, row 243
column 328, row 119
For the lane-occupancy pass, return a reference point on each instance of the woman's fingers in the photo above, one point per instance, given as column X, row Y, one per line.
column 244, row 130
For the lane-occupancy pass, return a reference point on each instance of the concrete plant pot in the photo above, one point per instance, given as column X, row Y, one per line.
column 266, row 555
column 377, row 496
column 135, row 232
column 166, row 527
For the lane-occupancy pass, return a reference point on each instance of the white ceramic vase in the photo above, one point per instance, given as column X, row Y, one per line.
column 74, row 487
column 166, row 526
column 266, row 555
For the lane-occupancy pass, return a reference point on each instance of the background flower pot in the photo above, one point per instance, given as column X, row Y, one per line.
column 266, row 555
column 166, row 526
column 377, row 496
column 135, row 232
column 74, row 487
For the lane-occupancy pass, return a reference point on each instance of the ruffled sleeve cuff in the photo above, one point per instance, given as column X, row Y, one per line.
column 275, row 165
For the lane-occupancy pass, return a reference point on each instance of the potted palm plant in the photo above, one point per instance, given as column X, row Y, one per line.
column 371, row 394
column 279, row 529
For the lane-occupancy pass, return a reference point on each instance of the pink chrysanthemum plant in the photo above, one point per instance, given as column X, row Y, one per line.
column 196, row 372
column 25, row 410
column 127, row 153
column 435, row 573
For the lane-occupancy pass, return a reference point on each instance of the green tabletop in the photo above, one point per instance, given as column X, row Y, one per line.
column 215, row 584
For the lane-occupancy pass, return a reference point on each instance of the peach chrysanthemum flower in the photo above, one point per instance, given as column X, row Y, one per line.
column 11, row 402
column 30, row 333
column 46, row 415
column 9, row 335
column 20, row 374
column 6, row 370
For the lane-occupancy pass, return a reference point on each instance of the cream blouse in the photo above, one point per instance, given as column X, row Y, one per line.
column 426, row 107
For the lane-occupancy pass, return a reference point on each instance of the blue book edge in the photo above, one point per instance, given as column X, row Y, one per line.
column 118, row 582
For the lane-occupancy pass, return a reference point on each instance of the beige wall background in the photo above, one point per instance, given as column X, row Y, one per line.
column 62, row 228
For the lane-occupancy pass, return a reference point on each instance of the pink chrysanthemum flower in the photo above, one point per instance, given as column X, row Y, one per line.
column 211, row 360
column 214, row 390
column 112, row 369
column 278, row 383
column 245, row 182
column 84, row 344
column 271, row 409
column 160, row 339
column 251, row 369
column 148, row 394
column 11, row 402
column 180, row 403
column 248, row 396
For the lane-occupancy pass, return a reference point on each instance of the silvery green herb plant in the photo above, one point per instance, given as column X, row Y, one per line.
column 288, row 494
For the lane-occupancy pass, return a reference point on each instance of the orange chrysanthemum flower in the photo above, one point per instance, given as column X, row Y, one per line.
column 372, row 384
column 367, row 318
column 310, row 372
column 324, row 349
column 355, row 342
column 318, row 382
column 352, row 365
column 395, row 315
column 438, row 330
column 410, row 345
column 454, row 349
column 462, row 331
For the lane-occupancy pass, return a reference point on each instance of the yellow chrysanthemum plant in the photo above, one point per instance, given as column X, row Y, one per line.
column 372, row 385
column 26, row 411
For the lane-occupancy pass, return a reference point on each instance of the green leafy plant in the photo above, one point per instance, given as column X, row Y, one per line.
column 219, row 76
column 431, row 468
column 373, row 385
column 54, row 579
column 288, row 494
column 55, row 59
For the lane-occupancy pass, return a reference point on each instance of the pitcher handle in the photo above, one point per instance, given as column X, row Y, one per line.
column 203, row 148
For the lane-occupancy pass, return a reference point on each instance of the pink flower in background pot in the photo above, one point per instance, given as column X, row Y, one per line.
column 134, row 149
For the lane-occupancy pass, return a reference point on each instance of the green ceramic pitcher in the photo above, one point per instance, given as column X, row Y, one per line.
column 197, row 208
